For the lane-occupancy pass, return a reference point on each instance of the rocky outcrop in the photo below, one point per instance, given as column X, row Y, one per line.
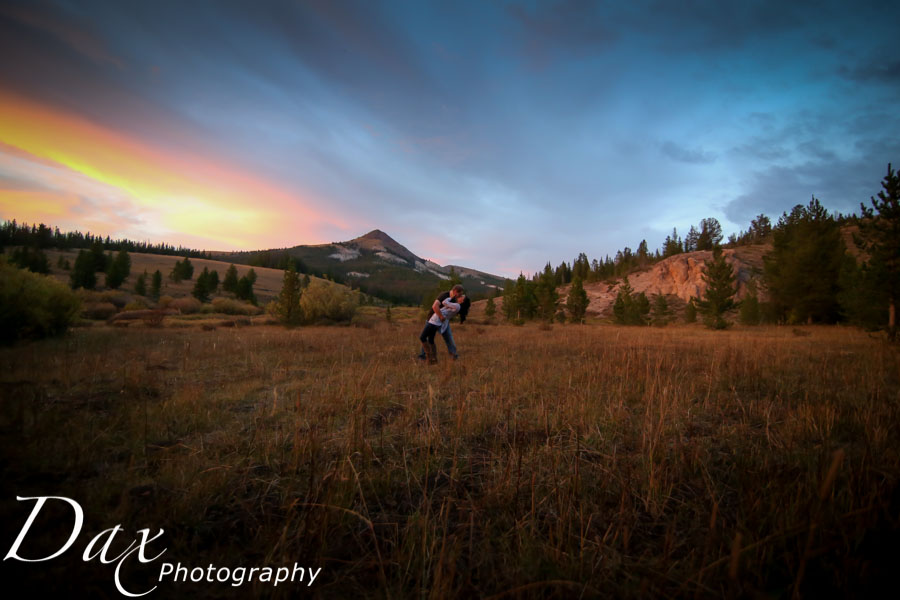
column 677, row 277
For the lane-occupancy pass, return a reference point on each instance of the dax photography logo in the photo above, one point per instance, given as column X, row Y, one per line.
column 99, row 548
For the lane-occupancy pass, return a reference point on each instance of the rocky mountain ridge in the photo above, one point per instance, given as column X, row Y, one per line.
column 374, row 263
column 385, row 248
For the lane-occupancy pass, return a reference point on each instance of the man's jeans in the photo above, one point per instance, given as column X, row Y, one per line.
column 451, row 347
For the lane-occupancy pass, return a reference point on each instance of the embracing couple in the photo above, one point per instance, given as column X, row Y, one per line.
column 442, row 310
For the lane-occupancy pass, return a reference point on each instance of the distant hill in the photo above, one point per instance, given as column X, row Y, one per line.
column 374, row 263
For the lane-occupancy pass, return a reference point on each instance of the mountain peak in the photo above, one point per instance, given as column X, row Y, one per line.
column 378, row 241
column 375, row 235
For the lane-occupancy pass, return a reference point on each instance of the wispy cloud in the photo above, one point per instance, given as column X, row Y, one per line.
column 694, row 156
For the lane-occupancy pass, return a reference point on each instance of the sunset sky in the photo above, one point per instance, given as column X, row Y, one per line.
column 495, row 135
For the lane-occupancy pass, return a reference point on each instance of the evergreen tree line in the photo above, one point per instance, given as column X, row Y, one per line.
column 809, row 275
column 42, row 237
column 526, row 299
column 705, row 236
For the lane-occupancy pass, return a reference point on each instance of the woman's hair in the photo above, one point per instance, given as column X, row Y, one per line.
column 464, row 309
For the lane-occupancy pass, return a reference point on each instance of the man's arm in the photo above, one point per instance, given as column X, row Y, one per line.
column 436, row 307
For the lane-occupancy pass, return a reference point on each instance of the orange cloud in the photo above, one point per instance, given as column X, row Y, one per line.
column 43, row 206
column 167, row 192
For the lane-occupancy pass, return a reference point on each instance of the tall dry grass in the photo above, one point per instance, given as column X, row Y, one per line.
column 574, row 462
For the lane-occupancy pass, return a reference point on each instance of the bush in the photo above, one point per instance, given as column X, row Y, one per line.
column 326, row 302
column 99, row 310
column 164, row 302
column 234, row 307
column 33, row 305
column 186, row 306
column 135, row 305
column 749, row 313
column 118, row 299
column 690, row 312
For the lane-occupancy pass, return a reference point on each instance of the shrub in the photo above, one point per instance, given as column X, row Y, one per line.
column 99, row 310
column 690, row 312
column 164, row 302
column 118, row 299
column 135, row 305
column 187, row 306
column 33, row 305
column 154, row 318
column 324, row 301
column 234, row 307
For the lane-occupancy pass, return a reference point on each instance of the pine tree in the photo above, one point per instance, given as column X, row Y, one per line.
column 83, row 275
column 526, row 301
column 288, row 303
column 176, row 274
column 660, row 312
column 641, row 309
column 690, row 240
column 803, row 268
column 508, row 303
column 581, row 268
column 98, row 257
column 229, row 284
column 576, row 301
column 546, row 294
column 643, row 253
column 118, row 270
column 212, row 282
column 201, row 286
column 623, row 302
column 140, row 285
column 749, row 313
column 863, row 297
column 630, row 308
column 156, row 284
column 244, row 290
column 719, row 295
column 187, row 269
column 672, row 245
column 710, row 234
column 760, row 229
column 879, row 235
column 490, row 309
column 32, row 259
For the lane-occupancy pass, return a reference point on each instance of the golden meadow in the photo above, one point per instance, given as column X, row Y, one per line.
column 574, row 461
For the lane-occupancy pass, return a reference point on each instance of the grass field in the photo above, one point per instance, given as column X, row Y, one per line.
column 579, row 461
